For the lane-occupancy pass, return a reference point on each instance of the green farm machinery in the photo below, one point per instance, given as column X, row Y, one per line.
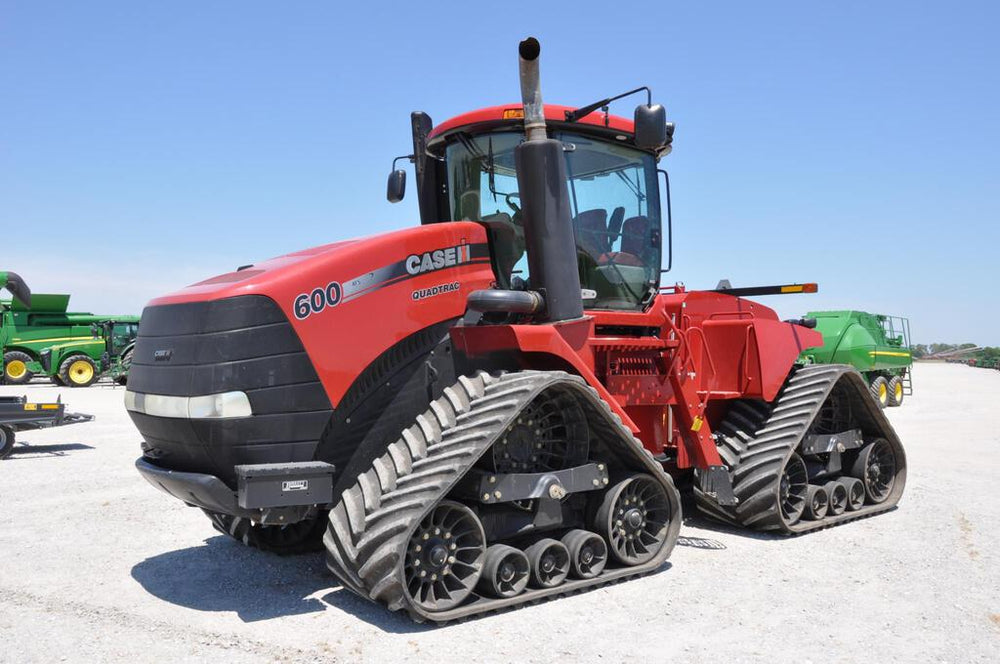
column 39, row 336
column 877, row 345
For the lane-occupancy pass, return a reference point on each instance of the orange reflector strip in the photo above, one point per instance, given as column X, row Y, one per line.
column 513, row 114
column 799, row 288
column 31, row 406
column 50, row 406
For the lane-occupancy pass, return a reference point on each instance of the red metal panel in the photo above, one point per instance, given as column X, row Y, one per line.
column 382, row 301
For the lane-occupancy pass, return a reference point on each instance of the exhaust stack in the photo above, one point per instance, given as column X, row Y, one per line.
column 542, row 183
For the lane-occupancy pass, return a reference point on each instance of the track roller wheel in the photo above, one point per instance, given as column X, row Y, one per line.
column 855, row 492
column 880, row 391
column 633, row 518
column 549, row 562
column 444, row 558
column 817, row 502
column 876, row 468
column 588, row 554
column 837, row 494
column 505, row 572
column 6, row 442
column 895, row 391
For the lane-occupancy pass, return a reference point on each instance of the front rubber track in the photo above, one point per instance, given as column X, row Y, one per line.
column 370, row 526
column 756, row 440
column 292, row 540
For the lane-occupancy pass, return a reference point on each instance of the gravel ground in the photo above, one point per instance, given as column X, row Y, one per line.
column 96, row 565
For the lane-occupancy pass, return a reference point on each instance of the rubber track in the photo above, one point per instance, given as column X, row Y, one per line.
column 756, row 460
column 370, row 526
column 255, row 535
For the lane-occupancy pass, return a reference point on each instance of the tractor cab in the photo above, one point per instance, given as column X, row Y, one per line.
column 466, row 172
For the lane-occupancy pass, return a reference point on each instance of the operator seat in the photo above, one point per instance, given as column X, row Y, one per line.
column 635, row 241
column 592, row 231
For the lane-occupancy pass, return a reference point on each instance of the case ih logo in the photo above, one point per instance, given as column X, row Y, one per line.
column 438, row 259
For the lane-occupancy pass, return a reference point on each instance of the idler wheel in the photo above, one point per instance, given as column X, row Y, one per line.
column 505, row 572
column 793, row 489
column 551, row 433
column 817, row 502
column 549, row 561
column 633, row 518
column 444, row 557
column 837, row 493
column 588, row 554
column 876, row 468
column 855, row 492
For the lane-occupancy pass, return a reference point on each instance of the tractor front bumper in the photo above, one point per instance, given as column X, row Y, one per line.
column 275, row 494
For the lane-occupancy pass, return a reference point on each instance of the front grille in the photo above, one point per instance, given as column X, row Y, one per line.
column 242, row 343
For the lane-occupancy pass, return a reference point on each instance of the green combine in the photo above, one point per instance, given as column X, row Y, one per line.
column 875, row 344
column 39, row 336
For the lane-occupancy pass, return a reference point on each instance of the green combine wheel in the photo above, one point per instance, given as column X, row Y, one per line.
column 880, row 391
column 896, row 391
column 15, row 368
column 78, row 371
column 6, row 442
column 125, row 363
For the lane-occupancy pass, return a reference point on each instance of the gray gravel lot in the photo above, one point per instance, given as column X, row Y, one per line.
column 96, row 565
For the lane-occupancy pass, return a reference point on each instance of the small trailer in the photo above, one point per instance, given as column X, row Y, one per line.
column 19, row 414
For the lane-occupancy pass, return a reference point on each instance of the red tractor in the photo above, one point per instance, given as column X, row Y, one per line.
column 494, row 407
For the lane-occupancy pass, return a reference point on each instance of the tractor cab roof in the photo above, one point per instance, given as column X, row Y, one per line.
column 512, row 116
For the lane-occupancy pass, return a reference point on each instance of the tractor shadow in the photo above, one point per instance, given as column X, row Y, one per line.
column 25, row 451
column 224, row 576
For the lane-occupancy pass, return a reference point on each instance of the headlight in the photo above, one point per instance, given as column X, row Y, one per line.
column 209, row 406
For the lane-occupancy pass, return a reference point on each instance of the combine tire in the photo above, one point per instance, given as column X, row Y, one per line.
column 896, row 391
column 762, row 443
column 125, row 363
column 56, row 380
column 880, row 391
column 15, row 368
column 78, row 371
column 6, row 442
column 380, row 520
column 295, row 538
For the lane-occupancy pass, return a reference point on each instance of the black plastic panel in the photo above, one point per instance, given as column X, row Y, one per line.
column 238, row 344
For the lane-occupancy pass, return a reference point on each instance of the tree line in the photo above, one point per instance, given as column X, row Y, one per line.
column 985, row 353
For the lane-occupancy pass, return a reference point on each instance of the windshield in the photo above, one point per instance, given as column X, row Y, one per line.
column 614, row 200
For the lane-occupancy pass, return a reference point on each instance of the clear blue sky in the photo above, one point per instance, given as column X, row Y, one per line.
column 144, row 146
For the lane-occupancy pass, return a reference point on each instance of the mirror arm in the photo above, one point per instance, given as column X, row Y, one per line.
column 573, row 116
column 411, row 158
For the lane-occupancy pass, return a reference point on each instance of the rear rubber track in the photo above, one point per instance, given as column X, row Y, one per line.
column 755, row 440
column 293, row 539
column 370, row 526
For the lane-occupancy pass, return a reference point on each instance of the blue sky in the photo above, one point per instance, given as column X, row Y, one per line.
column 144, row 146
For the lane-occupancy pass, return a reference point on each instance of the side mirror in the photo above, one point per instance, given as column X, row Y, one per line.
column 396, row 187
column 650, row 126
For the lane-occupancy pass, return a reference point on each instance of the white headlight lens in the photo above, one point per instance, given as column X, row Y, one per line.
column 209, row 406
